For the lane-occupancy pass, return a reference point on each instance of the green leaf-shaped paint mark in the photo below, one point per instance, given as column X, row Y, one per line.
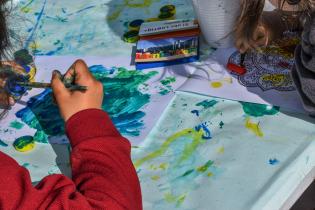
column 207, row 103
column 259, row 110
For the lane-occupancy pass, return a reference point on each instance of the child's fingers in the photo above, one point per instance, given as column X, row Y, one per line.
column 11, row 101
column 82, row 74
column 69, row 76
column 59, row 89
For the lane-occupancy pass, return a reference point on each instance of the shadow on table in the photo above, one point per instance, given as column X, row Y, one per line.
column 42, row 114
column 63, row 158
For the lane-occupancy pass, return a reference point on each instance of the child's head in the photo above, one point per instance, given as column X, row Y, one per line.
column 251, row 15
column 4, row 34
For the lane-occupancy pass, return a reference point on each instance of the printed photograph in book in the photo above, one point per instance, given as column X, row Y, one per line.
column 166, row 49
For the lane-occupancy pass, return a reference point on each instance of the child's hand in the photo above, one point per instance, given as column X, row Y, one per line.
column 72, row 102
column 260, row 38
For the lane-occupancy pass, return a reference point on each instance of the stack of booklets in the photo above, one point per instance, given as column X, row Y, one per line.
column 165, row 43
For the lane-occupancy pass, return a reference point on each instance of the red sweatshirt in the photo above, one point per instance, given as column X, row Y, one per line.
column 103, row 176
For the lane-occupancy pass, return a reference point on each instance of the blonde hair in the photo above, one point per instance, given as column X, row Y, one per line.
column 251, row 18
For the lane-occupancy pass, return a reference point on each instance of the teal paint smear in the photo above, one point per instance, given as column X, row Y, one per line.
column 25, row 165
column 17, row 125
column 221, row 125
column 207, row 103
column 259, row 110
column 3, row 144
column 43, row 115
column 164, row 92
column 166, row 87
column 122, row 101
column 187, row 173
column 168, row 81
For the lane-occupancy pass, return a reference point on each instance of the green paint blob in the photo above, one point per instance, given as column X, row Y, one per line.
column 207, row 103
column 3, row 144
column 23, row 57
column 17, row 125
column 164, row 92
column 41, row 137
column 166, row 85
column 57, row 42
column 168, row 80
column 205, row 167
column 24, row 143
column 259, row 110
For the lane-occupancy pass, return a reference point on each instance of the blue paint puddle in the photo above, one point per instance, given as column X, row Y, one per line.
column 274, row 161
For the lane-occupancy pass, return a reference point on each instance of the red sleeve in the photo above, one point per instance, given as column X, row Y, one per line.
column 103, row 176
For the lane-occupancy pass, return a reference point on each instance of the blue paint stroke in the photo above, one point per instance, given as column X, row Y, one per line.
column 43, row 115
column 206, row 131
column 30, row 38
column 53, row 52
column 122, row 101
column 196, row 112
column 274, row 161
column 3, row 144
column 81, row 10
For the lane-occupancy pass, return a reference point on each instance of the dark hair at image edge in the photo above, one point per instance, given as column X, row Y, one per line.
column 4, row 34
column 4, row 45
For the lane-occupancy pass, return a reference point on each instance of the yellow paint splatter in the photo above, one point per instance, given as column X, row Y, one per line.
column 254, row 127
column 210, row 174
column 216, row 84
column 152, row 167
column 170, row 198
column 164, row 166
column 221, row 150
column 34, row 45
column 196, row 137
column 25, row 9
column 155, row 178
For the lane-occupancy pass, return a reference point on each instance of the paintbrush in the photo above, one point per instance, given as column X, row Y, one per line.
column 70, row 87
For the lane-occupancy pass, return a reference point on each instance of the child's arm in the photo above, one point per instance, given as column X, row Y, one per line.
column 103, row 176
